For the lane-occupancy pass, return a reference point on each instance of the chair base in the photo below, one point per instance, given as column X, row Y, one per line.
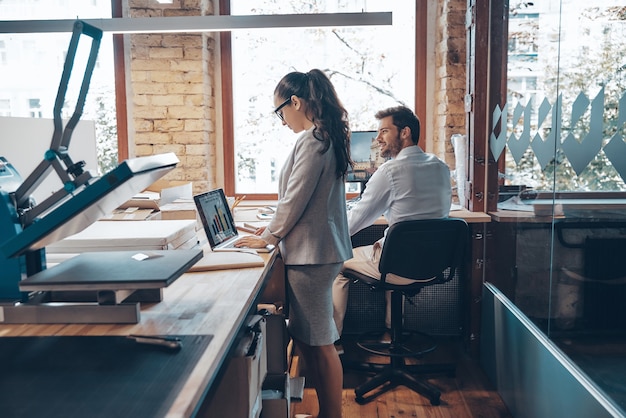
column 403, row 343
column 398, row 373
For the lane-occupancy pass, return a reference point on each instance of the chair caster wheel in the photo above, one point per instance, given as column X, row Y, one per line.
column 435, row 401
column 360, row 400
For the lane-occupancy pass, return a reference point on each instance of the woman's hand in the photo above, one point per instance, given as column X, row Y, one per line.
column 250, row 241
column 259, row 230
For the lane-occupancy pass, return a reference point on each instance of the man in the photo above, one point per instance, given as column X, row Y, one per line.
column 412, row 185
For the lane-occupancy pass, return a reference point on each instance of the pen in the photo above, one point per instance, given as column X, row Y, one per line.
column 238, row 201
column 173, row 343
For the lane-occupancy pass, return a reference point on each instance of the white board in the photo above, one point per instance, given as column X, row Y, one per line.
column 23, row 142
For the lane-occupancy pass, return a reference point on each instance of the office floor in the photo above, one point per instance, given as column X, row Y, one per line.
column 467, row 394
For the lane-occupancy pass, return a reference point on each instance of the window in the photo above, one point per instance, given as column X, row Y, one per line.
column 3, row 53
column 33, row 64
column 35, row 108
column 5, row 107
column 565, row 116
column 370, row 67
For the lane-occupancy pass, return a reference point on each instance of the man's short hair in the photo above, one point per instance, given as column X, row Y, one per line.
column 402, row 116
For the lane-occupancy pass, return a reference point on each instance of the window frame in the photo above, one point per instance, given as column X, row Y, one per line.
column 121, row 110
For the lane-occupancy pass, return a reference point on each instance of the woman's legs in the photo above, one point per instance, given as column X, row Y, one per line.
column 313, row 329
column 324, row 369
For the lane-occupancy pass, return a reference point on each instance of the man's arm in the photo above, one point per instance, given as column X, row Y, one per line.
column 375, row 201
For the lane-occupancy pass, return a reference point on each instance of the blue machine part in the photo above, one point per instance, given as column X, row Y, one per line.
column 13, row 269
column 10, row 268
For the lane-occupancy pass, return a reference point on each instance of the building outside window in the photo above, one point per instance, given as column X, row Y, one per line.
column 5, row 107
column 35, row 108
column 3, row 53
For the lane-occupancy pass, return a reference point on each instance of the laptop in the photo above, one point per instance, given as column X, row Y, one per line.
column 217, row 221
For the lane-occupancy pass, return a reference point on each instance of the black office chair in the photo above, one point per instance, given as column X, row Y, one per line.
column 428, row 252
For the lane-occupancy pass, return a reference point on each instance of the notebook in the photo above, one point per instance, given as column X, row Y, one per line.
column 217, row 221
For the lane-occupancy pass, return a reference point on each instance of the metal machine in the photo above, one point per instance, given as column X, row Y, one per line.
column 26, row 227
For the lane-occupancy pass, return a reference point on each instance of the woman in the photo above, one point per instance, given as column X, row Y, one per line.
column 310, row 224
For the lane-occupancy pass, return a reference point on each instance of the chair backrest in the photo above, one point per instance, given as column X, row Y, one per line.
column 424, row 249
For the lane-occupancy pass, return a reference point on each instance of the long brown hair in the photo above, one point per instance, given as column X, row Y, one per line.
column 325, row 111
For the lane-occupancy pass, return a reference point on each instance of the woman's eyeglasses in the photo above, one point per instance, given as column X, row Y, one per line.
column 278, row 110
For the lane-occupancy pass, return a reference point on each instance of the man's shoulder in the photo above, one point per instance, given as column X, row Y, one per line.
column 413, row 159
column 423, row 159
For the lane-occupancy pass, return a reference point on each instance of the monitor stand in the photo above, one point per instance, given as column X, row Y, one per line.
column 99, row 287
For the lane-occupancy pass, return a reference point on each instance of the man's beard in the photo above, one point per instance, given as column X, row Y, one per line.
column 392, row 149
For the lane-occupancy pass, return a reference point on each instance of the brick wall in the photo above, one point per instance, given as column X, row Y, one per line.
column 171, row 99
column 450, row 81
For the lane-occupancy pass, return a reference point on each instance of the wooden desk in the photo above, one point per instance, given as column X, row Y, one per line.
column 475, row 268
column 246, row 212
column 215, row 302
column 543, row 207
column 471, row 217
column 519, row 216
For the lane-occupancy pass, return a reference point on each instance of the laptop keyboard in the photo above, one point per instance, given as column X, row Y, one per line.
column 230, row 244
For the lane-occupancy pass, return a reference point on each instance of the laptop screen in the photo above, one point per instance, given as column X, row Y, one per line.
column 215, row 215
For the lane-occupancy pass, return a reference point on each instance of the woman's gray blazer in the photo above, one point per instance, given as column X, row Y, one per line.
column 310, row 225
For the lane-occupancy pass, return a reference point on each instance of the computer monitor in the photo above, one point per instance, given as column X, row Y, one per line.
column 365, row 153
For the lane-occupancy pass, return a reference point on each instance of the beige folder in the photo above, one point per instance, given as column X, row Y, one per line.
column 223, row 260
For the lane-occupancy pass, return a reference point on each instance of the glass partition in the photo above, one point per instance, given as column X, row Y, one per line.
column 561, row 224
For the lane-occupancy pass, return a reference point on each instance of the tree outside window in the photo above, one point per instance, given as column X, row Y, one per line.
column 370, row 67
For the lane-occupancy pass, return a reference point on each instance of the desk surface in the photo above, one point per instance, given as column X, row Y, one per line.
column 246, row 212
column 471, row 217
column 582, row 206
column 212, row 302
column 519, row 216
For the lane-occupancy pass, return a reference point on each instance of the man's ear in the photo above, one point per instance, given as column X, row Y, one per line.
column 405, row 133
